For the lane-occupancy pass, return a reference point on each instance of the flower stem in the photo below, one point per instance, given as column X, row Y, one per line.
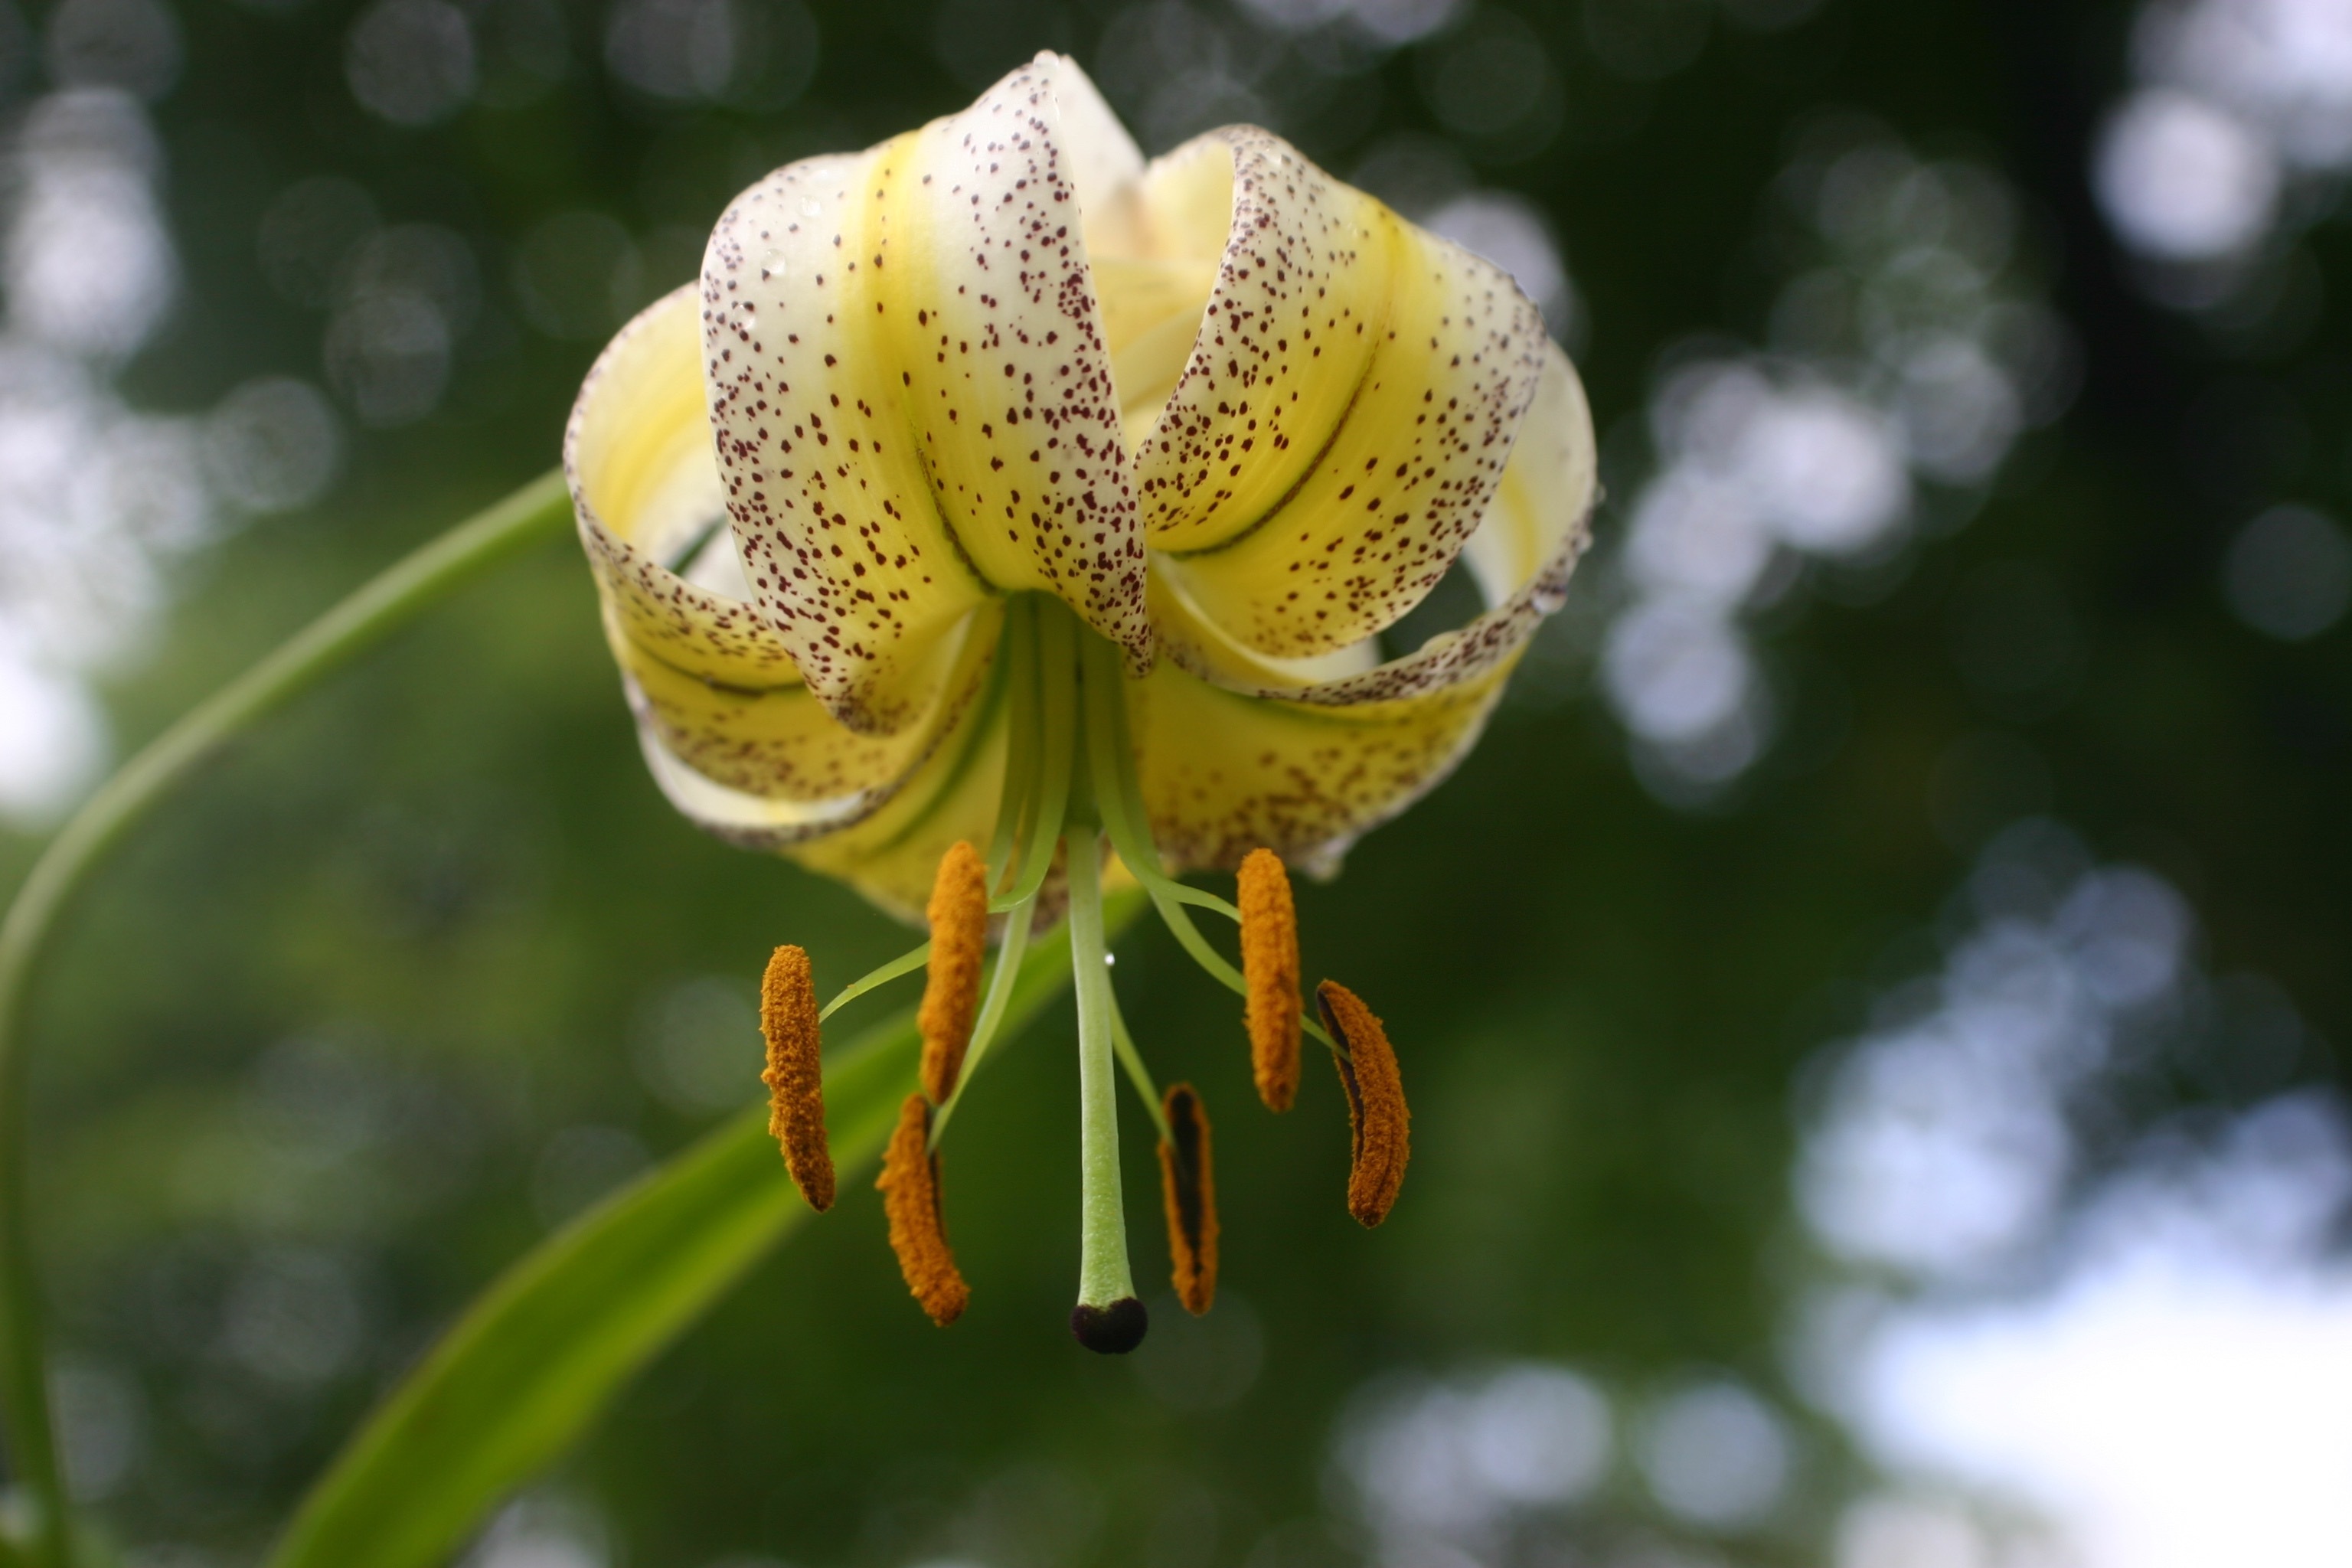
column 1103, row 1276
column 539, row 510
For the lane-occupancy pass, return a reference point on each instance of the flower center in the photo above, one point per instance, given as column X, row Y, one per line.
column 1071, row 801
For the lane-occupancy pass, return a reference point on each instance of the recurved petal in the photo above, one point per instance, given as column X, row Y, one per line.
column 1347, row 408
column 885, row 841
column 913, row 395
column 733, row 735
column 1536, row 529
column 636, row 453
column 1235, row 750
column 892, row 855
column 781, row 744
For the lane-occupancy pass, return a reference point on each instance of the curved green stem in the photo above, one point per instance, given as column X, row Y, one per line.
column 539, row 510
column 1110, row 753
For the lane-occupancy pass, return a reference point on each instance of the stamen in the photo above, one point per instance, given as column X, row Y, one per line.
column 795, row 1078
column 1188, row 1186
column 1270, row 971
column 1009, row 954
column 906, row 963
column 910, row 1183
column 1376, row 1108
column 958, row 915
column 1119, row 797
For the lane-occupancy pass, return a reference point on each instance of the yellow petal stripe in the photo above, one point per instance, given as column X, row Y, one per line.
column 637, row 454
column 1536, row 528
column 1347, row 411
column 744, row 746
column 914, row 399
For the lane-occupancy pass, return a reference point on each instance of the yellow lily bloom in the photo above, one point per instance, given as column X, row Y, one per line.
column 997, row 486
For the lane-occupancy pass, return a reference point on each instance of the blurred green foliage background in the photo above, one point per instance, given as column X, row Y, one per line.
column 426, row 964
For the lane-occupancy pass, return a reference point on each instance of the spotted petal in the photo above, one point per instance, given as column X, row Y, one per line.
column 1347, row 410
column 1234, row 749
column 738, row 740
column 888, row 848
column 913, row 396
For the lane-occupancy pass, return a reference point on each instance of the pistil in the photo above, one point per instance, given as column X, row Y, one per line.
column 1070, row 794
column 1108, row 1318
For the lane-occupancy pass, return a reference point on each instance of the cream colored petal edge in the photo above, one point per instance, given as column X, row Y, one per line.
column 913, row 401
column 887, row 844
column 709, row 683
column 1537, row 527
column 636, row 456
column 783, row 745
column 1105, row 162
column 1348, row 409
column 1233, row 753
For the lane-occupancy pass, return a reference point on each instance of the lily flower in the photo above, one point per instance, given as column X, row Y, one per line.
column 1003, row 517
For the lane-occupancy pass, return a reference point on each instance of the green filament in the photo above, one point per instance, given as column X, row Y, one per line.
column 1009, row 953
column 904, row 964
column 1020, row 655
column 1111, row 756
column 1136, row 1073
column 1059, row 709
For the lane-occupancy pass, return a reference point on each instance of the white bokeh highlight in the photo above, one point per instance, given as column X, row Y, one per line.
column 1714, row 1456
column 2183, row 181
column 2238, row 130
column 2148, row 1367
column 1904, row 358
column 99, row 501
column 1432, row 1467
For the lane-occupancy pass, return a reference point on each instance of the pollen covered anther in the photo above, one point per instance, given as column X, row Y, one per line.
column 910, row 1183
column 1188, row 1188
column 795, row 1077
column 959, row 917
column 1270, row 976
column 1376, row 1108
